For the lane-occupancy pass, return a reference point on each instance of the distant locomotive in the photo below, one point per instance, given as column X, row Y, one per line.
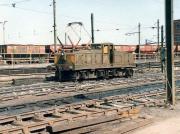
column 99, row 61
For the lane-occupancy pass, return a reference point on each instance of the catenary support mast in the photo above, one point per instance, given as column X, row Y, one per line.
column 54, row 26
column 92, row 27
column 170, row 82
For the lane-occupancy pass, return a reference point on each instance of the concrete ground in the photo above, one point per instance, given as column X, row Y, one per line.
column 168, row 126
column 163, row 120
column 166, row 121
column 16, row 66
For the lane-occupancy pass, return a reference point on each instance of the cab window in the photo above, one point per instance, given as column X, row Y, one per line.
column 96, row 46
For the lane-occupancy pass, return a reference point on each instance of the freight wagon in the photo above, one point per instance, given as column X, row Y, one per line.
column 126, row 48
column 178, row 48
column 148, row 49
column 17, row 53
column 30, row 53
column 23, row 49
column 100, row 61
column 145, row 49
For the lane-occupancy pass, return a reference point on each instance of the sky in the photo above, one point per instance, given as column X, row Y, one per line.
column 31, row 21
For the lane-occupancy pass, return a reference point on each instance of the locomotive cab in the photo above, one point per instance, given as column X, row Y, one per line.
column 107, row 50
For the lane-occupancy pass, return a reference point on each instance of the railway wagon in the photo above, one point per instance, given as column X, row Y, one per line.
column 148, row 49
column 126, row 48
column 178, row 48
column 99, row 61
column 18, row 53
column 23, row 49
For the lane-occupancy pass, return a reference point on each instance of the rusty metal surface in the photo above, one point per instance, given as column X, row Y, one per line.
column 24, row 49
column 126, row 48
column 148, row 48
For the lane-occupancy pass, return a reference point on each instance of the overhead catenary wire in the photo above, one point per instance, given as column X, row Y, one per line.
column 37, row 11
column 118, row 29
column 50, row 13
column 21, row 1
column 13, row 4
column 32, row 10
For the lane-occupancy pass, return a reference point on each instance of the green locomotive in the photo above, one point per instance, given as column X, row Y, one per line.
column 98, row 61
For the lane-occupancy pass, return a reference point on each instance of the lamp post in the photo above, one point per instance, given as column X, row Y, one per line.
column 4, row 22
column 54, row 26
column 139, row 40
column 1, row 45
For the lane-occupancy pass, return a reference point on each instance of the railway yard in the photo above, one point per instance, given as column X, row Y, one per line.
column 117, row 74
column 118, row 105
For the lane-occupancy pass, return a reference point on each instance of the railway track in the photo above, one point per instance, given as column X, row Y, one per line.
column 71, row 86
column 45, row 70
column 23, row 71
column 10, row 93
column 53, row 87
column 44, row 101
column 39, row 88
column 20, row 76
column 153, row 64
column 31, row 70
column 75, row 117
column 7, row 93
column 91, row 106
column 12, row 96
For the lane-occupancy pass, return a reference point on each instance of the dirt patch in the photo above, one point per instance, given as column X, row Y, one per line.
column 166, row 120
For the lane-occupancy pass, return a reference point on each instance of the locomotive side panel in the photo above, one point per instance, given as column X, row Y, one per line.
column 80, row 59
column 88, row 60
column 106, row 60
column 126, row 59
column 131, row 59
column 122, row 59
column 98, row 59
column 95, row 59
column 118, row 59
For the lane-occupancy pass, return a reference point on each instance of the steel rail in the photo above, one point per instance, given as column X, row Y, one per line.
column 73, row 116
column 35, row 89
column 72, row 91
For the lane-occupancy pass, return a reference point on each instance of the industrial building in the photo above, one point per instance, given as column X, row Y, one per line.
column 177, row 32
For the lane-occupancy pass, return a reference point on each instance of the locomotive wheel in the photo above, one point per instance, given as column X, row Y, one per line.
column 82, row 76
column 60, row 76
column 75, row 77
column 100, row 74
column 106, row 74
column 129, row 73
